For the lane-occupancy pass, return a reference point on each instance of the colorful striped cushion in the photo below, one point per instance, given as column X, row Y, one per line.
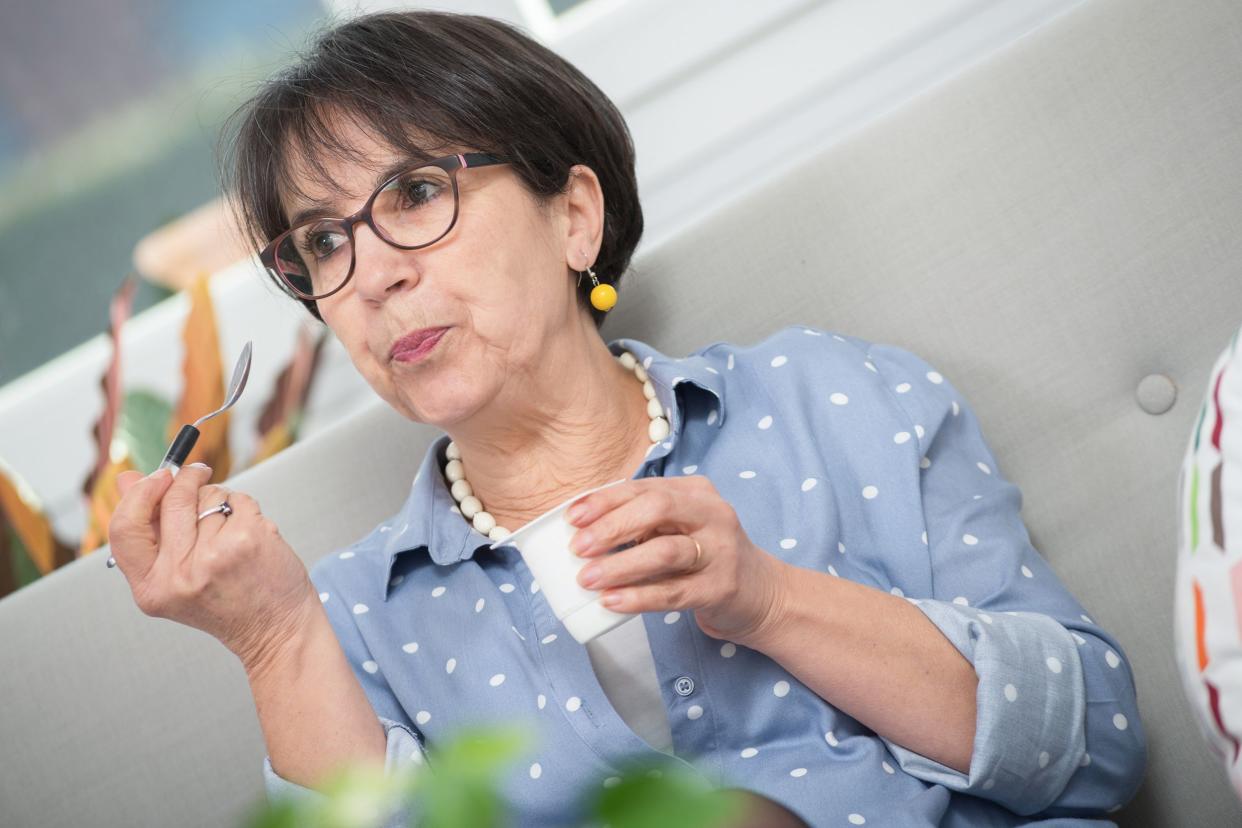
column 1208, row 613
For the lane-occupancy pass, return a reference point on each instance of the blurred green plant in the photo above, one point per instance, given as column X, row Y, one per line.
column 458, row 786
column 668, row 798
column 133, row 431
column 144, row 419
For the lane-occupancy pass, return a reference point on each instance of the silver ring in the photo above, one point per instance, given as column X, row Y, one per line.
column 223, row 508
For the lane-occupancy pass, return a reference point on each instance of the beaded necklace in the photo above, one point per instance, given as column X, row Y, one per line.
column 472, row 508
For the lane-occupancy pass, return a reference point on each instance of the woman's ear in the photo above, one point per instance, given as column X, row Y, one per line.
column 584, row 213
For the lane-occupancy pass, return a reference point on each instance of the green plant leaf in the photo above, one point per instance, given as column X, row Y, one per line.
column 144, row 421
column 278, row 813
column 24, row 570
column 460, row 804
column 459, row 788
column 480, row 752
column 665, row 797
column 363, row 796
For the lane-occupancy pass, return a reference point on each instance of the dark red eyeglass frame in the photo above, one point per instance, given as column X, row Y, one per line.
column 450, row 164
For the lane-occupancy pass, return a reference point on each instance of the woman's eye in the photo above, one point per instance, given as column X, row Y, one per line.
column 323, row 244
column 417, row 192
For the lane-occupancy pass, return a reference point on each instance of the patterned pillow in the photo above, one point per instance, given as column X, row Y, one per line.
column 1208, row 614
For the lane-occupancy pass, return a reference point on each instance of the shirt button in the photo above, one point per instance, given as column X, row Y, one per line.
column 684, row 686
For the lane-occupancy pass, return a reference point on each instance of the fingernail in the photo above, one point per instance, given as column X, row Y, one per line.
column 576, row 512
column 589, row 576
column 201, row 466
column 581, row 542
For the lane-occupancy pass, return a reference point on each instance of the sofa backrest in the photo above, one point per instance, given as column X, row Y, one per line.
column 1054, row 229
column 1059, row 232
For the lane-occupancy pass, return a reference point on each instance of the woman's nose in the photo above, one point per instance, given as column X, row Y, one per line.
column 380, row 269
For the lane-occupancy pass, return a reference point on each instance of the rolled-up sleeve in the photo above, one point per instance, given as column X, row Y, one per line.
column 404, row 743
column 1057, row 727
column 403, row 750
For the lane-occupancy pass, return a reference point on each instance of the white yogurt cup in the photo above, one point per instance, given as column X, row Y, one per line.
column 544, row 545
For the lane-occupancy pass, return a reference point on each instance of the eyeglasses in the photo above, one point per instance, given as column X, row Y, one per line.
column 413, row 209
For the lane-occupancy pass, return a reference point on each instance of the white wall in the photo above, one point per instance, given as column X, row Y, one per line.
column 721, row 95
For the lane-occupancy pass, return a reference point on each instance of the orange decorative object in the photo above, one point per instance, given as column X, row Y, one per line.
column 21, row 512
column 102, row 502
column 100, row 489
column 282, row 414
column 1199, row 622
column 204, row 388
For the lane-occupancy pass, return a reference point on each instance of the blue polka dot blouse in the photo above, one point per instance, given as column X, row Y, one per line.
column 839, row 455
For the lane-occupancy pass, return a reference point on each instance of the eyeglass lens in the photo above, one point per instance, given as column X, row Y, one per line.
column 416, row 208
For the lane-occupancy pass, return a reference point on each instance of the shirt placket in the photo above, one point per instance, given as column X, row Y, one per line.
column 675, row 642
column 571, row 677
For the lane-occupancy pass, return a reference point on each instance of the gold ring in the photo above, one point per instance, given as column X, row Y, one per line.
column 698, row 554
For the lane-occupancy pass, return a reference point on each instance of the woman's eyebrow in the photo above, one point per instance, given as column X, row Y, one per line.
column 398, row 166
column 321, row 209
column 313, row 211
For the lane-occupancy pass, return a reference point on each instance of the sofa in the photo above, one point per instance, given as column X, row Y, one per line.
column 1058, row 229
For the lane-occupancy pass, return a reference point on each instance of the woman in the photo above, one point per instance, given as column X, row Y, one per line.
column 841, row 610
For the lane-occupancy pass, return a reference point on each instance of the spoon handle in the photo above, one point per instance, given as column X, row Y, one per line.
column 181, row 447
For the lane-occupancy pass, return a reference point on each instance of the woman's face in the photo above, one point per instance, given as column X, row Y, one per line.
column 499, row 281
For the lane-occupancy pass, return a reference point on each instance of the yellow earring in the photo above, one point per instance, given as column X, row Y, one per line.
column 603, row 297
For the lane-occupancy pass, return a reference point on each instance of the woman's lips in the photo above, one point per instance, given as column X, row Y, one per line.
column 424, row 347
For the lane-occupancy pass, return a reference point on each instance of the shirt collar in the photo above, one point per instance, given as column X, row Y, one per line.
column 429, row 520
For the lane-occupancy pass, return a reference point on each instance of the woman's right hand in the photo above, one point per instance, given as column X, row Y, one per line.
column 233, row 577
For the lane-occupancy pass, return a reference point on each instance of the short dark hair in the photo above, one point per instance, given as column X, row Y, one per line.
column 460, row 79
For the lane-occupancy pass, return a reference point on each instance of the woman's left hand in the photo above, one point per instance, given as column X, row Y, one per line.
column 735, row 588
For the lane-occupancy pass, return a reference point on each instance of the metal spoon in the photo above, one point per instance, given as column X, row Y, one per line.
column 184, row 442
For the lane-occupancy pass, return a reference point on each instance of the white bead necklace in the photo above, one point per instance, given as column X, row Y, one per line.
column 472, row 509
